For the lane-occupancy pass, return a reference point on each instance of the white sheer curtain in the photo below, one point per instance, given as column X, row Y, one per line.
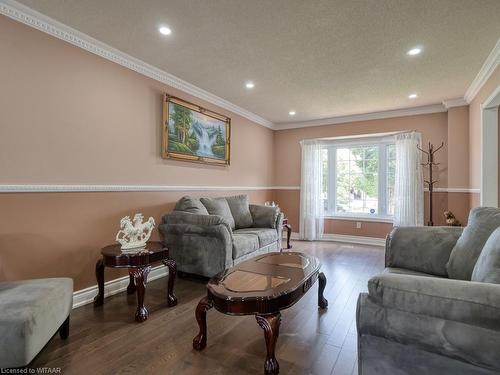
column 409, row 186
column 311, row 204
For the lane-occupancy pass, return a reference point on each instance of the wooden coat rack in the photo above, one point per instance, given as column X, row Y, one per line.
column 430, row 183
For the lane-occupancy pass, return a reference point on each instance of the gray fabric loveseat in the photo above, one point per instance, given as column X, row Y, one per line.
column 436, row 308
column 207, row 235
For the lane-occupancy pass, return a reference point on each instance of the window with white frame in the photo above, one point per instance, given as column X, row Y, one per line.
column 358, row 178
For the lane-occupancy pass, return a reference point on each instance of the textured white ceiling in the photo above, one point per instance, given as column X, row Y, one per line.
column 322, row 58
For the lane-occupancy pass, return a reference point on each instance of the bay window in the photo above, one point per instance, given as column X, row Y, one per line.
column 358, row 178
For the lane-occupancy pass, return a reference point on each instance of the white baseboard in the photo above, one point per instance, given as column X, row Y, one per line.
column 361, row 240
column 112, row 287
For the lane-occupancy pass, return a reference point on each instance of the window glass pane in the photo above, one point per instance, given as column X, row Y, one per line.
column 343, row 154
column 357, row 153
column 371, row 153
column 342, row 167
column 357, row 179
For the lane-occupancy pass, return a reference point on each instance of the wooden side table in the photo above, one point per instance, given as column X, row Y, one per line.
column 139, row 265
column 288, row 228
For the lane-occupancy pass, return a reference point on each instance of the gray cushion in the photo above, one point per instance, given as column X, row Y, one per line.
column 446, row 337
column 487, row 268
column 192, row 205
column 240, row 210
column 482, row 222
column 422, row 249
column 264, row 216
column 31, row 311
column 266, row 235
column 219, row 206
column 244, row 244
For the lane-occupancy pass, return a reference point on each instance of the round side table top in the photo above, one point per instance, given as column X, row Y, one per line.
column 114, row 256
column 115, row 249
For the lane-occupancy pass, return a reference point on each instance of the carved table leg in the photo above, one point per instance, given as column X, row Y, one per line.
column 288, row 234
column 140, row 278
column 200, row 341
column 322, row 302
column 271, row 326
column 172, row 270
column 131, row 285
column 99, row 274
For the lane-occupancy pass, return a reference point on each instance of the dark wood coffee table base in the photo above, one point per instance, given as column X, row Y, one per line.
column 138, row 268
column 270, row 323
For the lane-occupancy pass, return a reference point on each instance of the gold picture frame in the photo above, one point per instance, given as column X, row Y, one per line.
column 193, row 133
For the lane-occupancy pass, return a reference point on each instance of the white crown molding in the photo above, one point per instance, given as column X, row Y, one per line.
column 360, row 240
column 39, row 21
column 489, row 66
column 85, row 296
column 433, row 108
column 123, row 188
column 459, row 102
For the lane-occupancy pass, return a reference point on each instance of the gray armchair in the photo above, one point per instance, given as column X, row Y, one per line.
column 207, row 235
column 436, row 307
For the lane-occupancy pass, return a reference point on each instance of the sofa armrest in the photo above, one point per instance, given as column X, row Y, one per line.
column 200, row 244
column 264, row 216
column 467, row 302
column 423, row 249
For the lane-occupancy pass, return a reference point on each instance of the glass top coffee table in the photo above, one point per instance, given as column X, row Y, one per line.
column 261, row 286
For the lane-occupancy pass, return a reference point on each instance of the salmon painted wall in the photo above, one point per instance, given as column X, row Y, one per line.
column 70, row 117
column 475, row 132
column 450, row 128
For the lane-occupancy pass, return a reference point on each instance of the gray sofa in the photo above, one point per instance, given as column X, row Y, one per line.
column 207, row 235
column 436, row 308
column 31, row 311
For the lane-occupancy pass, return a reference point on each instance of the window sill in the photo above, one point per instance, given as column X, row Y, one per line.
column 376, row 219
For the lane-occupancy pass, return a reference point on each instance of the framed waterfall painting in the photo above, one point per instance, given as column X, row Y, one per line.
column 193, row 133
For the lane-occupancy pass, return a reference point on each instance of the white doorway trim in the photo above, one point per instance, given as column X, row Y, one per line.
column 489, row 149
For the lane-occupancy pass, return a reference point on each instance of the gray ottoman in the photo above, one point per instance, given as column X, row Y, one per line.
column 31, row 311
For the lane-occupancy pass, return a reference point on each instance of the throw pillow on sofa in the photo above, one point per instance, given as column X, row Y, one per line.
column 487, row 268
column 264, row 216
column 240, row 210
column 192, row 205
column 482, row 222
column 219, row 206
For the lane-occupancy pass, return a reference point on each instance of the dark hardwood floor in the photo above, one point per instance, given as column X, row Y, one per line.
column 107, row 340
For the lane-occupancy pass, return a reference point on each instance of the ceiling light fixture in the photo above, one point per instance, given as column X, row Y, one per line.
column 165, row 30
column 414, row 51
column 291, row 113
column 249, row 85
column 412, row 96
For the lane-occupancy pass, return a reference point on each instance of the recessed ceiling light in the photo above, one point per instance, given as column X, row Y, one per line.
column 249, row 85
column 412, row 96
column 165, row 30
column 414, row 51
column 291, row 113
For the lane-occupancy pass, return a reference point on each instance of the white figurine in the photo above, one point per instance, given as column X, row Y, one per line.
column 134, row 233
